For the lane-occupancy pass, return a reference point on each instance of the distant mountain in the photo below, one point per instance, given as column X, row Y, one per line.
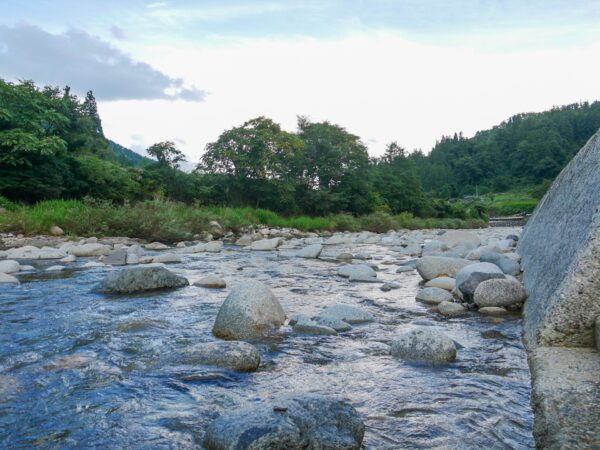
column 128, row 157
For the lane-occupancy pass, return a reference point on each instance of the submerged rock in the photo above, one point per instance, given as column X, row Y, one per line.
column 250, row 311
column 332, row 322
column 358, row 272
column 492, row 311
column 141, row 279
column 424, row 344
column 347, row 313
column 305, row 325
column 451, row 309
column 236, row 355
column 291, row 422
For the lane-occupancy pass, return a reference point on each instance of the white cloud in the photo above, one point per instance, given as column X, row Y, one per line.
column 380, row 86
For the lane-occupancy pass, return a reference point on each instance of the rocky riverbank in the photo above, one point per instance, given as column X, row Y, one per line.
column 363, row 298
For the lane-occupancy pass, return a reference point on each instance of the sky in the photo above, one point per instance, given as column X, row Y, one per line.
column 408, row 71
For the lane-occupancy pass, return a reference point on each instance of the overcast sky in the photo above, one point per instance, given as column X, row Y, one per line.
column 406, row 71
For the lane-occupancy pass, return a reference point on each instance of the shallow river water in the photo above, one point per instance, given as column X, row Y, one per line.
column 83, row 370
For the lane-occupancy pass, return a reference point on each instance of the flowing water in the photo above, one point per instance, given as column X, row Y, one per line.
column 80, row 369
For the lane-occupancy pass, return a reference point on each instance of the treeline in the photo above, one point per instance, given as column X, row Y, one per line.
column 52, row 146
column 526, row 151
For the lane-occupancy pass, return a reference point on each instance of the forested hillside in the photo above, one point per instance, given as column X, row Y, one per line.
column 525, row 151
column 52, row 146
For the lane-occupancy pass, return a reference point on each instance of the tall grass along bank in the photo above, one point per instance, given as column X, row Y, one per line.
column 171, row 221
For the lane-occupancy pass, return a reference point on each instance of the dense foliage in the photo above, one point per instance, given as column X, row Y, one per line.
column 526, row 150
column 52, row 147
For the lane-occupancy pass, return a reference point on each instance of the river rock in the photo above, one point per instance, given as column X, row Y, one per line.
column 266, row 244
column 290, row 422
column 91, row 249
column 211, row 282
column 139, row 279
column 8, row 279
column 508, row 265
column 430, row 267
column 244, row 240
column 358, row 272
column 132, row 258
column 452, row 238
column 215, row 228
column 117, row 257
column 347, row 313
column 55, row 230
column 156, row 246
column 307, row 326
column 250, row 311
column 136, row 250
column 93, row 264
column 26, row 252
column 338, row 239
column 9, row 266
column 51, row 253
column 310, row 251
column 68, row 259
column 492, row 311
column 470, row 276
column 236, row 355
column 499, row 292
column 55, row 269
column 213, row 246
column 451, row 309
column 433, row 295
column 167, row 258
column 446, row 283
column 331, row 322
column 424, row 344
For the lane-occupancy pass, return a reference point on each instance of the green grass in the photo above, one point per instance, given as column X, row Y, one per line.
column 170, row 221
column 509, row 203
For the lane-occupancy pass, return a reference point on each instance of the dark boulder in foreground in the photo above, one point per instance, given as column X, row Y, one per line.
column 140, row 279
column 297, row 421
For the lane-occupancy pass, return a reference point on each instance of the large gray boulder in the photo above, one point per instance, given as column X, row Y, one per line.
column 430, row 267
column 250, row 311
column 560, row 249
column 470, row 276
column 237, row 355
column 9, row 266
column 499, row 292
column 292, row 422
column 424, row 344
column 310, row 251
column 139, row 279
column 508, row 265
column 117, row 257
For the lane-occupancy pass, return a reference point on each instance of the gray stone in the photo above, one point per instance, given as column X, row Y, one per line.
column 55, row 230
column 446, row 283
column 9, row 266
column 347, row 313
column 139, row 279
column 51, row 253
column 508, row 265
column 451, row 309
column 8, row 279
column 597, row 333
column 26, row 252
column 560, row 249
column 291, row 422
column 236, row 355
column 499, row 292
column 244, row 240
column 250, row 311
column 424, row 344
column 347, row 257
column 215, row 228
column 55, row 269
column 338, row 239
column 433, row 295
column 117, row 257
column 430, row 267
column 492, row 311
column 514, row 237
column 331, row 322
column 310, row 251
column 403, row 269
column 358, row 272
column 213, row 246
column 156, row 246
column 211, row 282
column 470, row 276
column 307, row 326
column 452, row 238
column 266, row 244
column 90, row 249
column 566, row 397
column 167, row 258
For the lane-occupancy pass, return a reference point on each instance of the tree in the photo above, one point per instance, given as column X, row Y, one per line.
column 166, row 153
column 89, row 108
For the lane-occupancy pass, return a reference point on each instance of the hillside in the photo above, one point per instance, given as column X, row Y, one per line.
column 128, row 157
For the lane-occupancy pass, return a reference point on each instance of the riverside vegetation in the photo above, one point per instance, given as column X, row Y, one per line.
column 54, row 155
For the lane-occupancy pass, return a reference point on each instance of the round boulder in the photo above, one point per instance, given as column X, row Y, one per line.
column 141, row 279
column 497, row 292
column 450, row 309
column 211, row 282
column 433, row 295
column 250, row 311
column 237, row 355
column 9, row 266
column 310, row 251
column 430, row 267
column 446, row 283
column 424, row 344
column 297, row 421
column 470, row 276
